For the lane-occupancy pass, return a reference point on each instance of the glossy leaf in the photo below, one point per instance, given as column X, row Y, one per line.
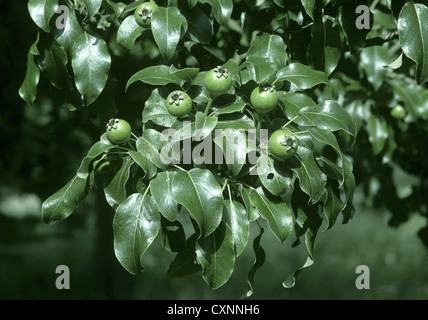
column 91, row 64
column 42, row 11
column 28, row 89
column 68, row 35
column 233, row 146
column 311, row 179
column 236, row 218
column 115, row 183
column 92, row 6
column 200, row 26
column 326, row 45
column 166, row 28
column 329, row 115
column 276, row 178
column 216, row 255
column 155, row 110
column 63, row 202
column 221, row 9
column 54, row 63
column 150, row 144
column 276, row 213
column 128, row 32
column 259, row 260
column 413, row 32
column 161, row 190
column 199, row 192
column 303, row 76
column 95, row 151
column 136, row 224
column 269, row 47
column 292, row 103
column 159, row 75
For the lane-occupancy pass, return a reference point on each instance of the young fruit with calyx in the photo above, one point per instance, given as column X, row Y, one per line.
column 179, row 103
column 264, row 98
column 218, row 81
column 143, row 14
column 118, row 131
column 283, row 144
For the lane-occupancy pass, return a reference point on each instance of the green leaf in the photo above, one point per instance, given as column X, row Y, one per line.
column 377, row 130
column 330, row 116
column 276, row 178
column 236, row 218
column 200, row 26
column 68, row 35
column 245, row 193
column 91, row 64
column 356, row 38
column 186, row 74
column 222, row 10
column 199, row 192
column 275, row 212
column 263, row 69
column 233, row 145
column 96, row 150
column 150, row 144
column 161, row 190
column 303, row 76
column 155, row 110
column 63, row 202
column 259, row 260
column 328, row 138
column 311, row 179
column 136, row 224
column 166, row 28
column 92, row 6
column 292, row 103
column 309, row 6
column 332, row 207
column 204, row 125
column 115, row 183
column 159, row 75
column 54, row 63
column 28, row 89
column 326, row 45
column 42, row 11
column 128, row 32
column 144, row 163
column 232, row 108
column 290, row 281
column 308, row 221
column 413, row 33
column 238, row 122
column 216, row 255
column 269, row 47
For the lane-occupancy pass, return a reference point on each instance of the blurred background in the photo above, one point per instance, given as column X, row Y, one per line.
column 40, row 149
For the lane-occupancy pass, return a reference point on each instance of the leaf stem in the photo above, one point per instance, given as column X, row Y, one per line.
column 208, row 106
column 178, row 167
column 285, row 125
column 224, row 185
column 301, row 132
